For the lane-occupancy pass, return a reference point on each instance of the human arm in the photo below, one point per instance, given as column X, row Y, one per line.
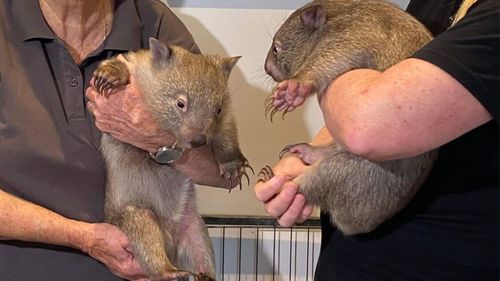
column 411, row 108
column 25, row 221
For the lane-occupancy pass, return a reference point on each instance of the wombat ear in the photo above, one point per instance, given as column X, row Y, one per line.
column 313, row 17
column 159, row 51
column 228, row 64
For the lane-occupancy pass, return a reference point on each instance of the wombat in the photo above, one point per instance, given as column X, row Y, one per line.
column 316, row 44
column 155, row 204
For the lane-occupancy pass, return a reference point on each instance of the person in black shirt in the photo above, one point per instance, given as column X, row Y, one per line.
column 445, row 95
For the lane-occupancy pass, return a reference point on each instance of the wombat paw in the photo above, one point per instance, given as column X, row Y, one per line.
column 203, row 277
column 307, row 153
column 174, row 275
column 265, row 174
column 286, row 96
column 234, row 170
column 109, row 75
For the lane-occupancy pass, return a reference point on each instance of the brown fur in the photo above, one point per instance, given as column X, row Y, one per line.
column 155, row 204
column 316, row 44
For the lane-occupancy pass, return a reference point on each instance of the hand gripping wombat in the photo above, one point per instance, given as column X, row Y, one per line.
column 155, row 204
column 315, row 45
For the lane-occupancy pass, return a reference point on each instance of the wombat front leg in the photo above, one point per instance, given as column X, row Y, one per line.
column 288, row 95
column 109, row 75
column 232, row 163
column 148, row 241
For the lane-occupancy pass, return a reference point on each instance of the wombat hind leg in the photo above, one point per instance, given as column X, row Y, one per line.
column 306, row 152
column 109, row 75
column 148, row 242
column 194, row 250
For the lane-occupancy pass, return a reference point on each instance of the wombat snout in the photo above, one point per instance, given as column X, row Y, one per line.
column 197, row 141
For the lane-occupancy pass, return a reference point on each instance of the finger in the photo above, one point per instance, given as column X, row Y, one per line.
column 294, row 211
column 298, row 101
column 91, row 107
column 267, row 190
column 291, row 91
column 91, row 93
column 306, row 212
column 283, row 85
column 279, row 204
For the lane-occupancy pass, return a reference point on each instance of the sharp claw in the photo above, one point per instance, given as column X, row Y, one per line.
column 266, row 173
column 285, row 150
column 269, row 105
column 285, row 111
column 246, row 175
column 249, row 167
column 273, row 112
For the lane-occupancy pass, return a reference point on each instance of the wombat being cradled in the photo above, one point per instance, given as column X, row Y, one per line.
column 315, row 45
column 155, row 204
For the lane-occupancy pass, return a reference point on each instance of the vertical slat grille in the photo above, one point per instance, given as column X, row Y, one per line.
column 256, row 249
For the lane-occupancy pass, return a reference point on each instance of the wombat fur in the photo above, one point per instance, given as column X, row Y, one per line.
column 155, row 204
column 315, row 45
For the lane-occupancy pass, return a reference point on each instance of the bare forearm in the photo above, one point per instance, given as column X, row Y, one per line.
column 199, row 164
column 22, row 220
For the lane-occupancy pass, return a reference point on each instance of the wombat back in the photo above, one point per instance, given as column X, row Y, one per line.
column 326, row 38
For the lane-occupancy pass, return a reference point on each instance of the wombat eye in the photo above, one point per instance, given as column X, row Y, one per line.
column 180, row 104
column 276, row 49
column 219, row 111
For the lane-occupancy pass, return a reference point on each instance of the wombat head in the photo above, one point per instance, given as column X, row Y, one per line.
column 294, row 41
column 187, row 93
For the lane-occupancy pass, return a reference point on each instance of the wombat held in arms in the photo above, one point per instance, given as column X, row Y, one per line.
column 155, row 204
column 315, row 45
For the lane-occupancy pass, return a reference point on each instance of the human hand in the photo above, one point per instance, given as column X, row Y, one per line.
column 280, row 194
column 288, row 95
column 125, row 117
column 109, row 245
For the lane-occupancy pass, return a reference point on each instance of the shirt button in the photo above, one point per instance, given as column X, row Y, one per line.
column 74, row 82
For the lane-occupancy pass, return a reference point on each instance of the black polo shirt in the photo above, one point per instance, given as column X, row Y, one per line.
column 450, row 230
column 48, row 142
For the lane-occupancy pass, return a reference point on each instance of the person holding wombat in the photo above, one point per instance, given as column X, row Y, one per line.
column 52, row 175
column 444, row 96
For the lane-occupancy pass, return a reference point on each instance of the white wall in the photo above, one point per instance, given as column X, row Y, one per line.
column 245, row 28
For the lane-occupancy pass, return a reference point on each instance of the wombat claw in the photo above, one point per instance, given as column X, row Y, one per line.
column 109, row 76
column 245, row 165
column 285, row 150
column 265, row 174
column 271, row 110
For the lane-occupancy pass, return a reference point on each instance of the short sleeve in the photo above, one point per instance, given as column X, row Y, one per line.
column 469, row 51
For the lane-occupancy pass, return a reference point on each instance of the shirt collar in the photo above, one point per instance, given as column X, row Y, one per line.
column 126, row 32
column 30, row 20
column 125, row 35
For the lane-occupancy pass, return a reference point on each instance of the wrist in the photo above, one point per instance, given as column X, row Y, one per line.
column 80, row 235
column 167, row 154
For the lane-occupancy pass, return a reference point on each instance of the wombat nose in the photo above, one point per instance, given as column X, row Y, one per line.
column 267, row 68
column 199, row 140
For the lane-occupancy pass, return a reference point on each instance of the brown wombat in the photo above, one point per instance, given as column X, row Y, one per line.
column 315, row 45
column 155, row 204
